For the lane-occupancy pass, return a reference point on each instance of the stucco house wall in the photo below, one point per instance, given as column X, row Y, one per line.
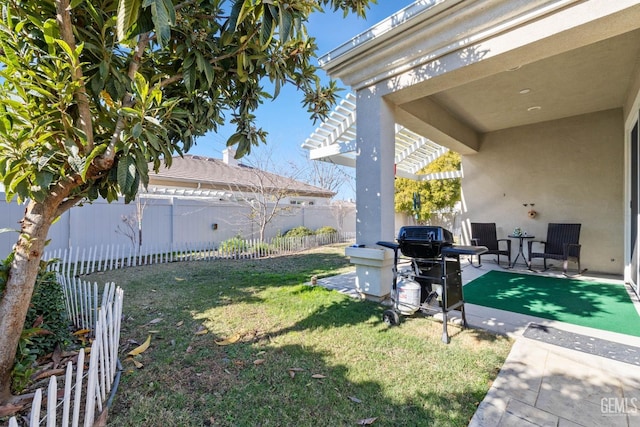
column 570, row 169
column 541, row 98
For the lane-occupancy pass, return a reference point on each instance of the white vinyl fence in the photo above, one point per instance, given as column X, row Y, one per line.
column 74, row 262
column 166, row 221
column 84, row 390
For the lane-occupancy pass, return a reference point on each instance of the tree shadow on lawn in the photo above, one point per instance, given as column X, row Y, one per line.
column 346, row 311
column 221, row 386
column 208, row 292
column 338, row 400
column 188, row 379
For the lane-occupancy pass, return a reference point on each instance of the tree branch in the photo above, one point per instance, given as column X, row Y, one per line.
column 63, row 17
column 105, row 161
column 68, row 204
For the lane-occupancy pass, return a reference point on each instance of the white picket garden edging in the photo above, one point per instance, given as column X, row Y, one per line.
column 97, row 381
column 74, row 262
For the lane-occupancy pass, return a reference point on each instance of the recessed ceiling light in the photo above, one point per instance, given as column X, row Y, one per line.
column 534, row 108
column 524, row 91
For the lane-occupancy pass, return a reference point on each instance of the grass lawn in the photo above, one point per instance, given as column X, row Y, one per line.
column 277, row 352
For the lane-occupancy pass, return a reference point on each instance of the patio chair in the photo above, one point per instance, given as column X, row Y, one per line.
column 562, row 243
column 484, row 234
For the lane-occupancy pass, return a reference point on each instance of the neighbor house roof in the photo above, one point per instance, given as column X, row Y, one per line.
column 205, row 173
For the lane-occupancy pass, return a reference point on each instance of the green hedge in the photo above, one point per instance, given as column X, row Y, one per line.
column 299, row 232
column 326, row 230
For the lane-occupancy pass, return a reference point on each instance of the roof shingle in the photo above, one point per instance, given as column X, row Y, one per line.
column 204, row 172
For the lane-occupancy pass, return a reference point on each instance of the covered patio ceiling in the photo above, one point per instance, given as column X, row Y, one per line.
column 586, row 69
column 587, row 79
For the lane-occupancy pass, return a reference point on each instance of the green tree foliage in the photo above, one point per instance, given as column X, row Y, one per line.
column 91, row 92
column 434, row 194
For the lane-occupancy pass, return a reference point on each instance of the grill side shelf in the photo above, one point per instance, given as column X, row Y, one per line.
column 464, row 250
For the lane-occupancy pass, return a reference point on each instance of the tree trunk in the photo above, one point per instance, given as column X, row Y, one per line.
column 20, row 283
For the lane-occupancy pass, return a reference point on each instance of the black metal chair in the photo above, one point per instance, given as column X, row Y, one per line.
column 484, row 234
column 562, row 243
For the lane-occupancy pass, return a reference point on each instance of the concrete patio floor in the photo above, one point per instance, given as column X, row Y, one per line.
column 542, row 384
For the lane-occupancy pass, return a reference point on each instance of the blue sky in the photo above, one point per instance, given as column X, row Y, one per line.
column 284, row 118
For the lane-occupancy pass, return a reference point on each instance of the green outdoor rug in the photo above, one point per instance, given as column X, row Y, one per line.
column 593, row 304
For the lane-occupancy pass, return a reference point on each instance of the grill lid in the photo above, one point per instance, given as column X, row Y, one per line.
column 419, row 241
column 425, row 233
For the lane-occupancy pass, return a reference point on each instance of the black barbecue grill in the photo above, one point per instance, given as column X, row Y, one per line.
column 435, row 266
column 418, row 241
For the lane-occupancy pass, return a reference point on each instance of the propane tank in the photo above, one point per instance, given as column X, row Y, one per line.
column 408, row 296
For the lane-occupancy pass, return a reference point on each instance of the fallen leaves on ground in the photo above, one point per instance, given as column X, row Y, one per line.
column 140, row 349
column 46, row 374
column 82, row 335
column 318, row 376
column 230, row 340
column 9, row 409
column 292, row 371
column 367, row 421
column 56, row 356
column 202, row 330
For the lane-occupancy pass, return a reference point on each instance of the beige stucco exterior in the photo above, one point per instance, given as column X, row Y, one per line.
column 570, row 169
column 539, row 96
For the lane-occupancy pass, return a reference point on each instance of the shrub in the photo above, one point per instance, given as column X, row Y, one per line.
column 278, row 240
column 326, row 230
column 48, row 306
column 237, row 245
column 263, row 248
column 299, row 232
column 234, row 245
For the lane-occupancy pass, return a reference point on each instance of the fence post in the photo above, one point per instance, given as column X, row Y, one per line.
column 52, row 400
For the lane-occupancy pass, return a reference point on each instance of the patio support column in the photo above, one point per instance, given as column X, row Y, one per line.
column 375, row 172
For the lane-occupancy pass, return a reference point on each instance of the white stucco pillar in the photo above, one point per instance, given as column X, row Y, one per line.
column 375, row 170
